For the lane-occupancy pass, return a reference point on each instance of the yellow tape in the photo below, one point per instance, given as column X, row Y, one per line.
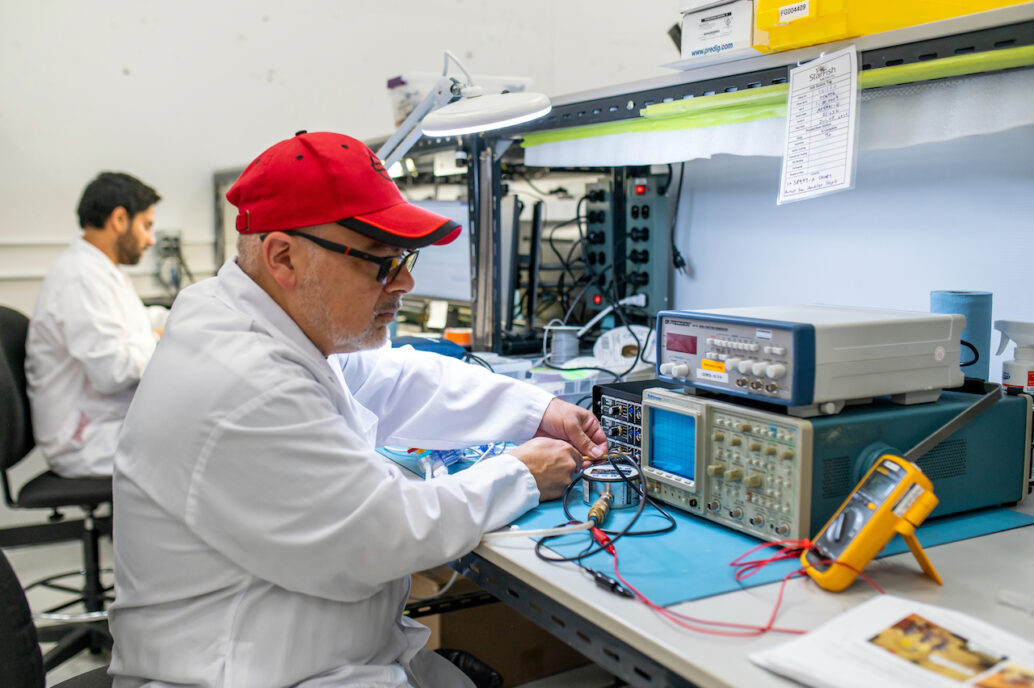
column 713, row 366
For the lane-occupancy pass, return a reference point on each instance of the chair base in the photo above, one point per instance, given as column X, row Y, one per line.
column 72, row 639
column 48, row 533
column 93, row 601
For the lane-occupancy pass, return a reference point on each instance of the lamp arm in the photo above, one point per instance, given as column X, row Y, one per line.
column 409, row 132
column 455, row 60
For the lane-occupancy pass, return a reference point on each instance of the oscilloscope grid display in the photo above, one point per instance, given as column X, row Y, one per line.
column 673, row 447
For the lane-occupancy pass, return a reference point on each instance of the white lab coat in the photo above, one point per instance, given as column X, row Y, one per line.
column 260, row 540
column 89, row 340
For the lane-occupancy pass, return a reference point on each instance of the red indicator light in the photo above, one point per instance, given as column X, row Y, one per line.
column 640, row 189
column 597, row 299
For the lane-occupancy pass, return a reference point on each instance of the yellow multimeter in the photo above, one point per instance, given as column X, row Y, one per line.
column 893, row 497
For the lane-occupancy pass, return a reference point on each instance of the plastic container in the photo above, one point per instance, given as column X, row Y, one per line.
column 459, row 335
column 1019, row 372
column 569, row 385
column 510, row 366
column 408, row 89
column 784, row 25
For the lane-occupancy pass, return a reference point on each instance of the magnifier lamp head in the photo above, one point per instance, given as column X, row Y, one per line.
column 475, row 113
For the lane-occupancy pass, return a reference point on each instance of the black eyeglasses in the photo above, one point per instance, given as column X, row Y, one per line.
column 390, row 266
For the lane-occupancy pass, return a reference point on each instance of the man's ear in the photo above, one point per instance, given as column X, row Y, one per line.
column 118, row 220
column 281, row 256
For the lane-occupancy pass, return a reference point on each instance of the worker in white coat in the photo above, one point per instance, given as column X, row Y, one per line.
column 260, row 539
column 90, row 337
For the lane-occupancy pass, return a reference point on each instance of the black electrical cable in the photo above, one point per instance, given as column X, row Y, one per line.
column 667, row 182
column 653, row 322
column 552, row 245
column 548, row 364
column 541, row 543
column 477, row 359
column 581, row 238
column 618, row 311
column 571, row 260
column 677, row 260
column 976, row 354
column 638, row 344
column 642, row 495
column 643, row 500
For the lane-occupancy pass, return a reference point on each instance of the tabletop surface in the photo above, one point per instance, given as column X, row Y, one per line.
column 974, row 571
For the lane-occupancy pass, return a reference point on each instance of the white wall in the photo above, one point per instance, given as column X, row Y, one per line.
column 953, row 215
column 172, row 91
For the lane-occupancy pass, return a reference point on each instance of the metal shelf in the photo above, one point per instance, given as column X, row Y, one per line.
column 609, row 651
column 994, row 30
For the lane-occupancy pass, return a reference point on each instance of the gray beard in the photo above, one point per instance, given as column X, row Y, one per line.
column 316, row 306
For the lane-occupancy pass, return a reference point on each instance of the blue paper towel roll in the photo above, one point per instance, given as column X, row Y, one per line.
column 976, row 306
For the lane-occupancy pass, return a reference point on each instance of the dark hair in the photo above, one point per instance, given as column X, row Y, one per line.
column 111, row 190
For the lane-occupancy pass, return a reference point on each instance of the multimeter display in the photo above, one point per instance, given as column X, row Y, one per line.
column 856, row 513
column 879, row 486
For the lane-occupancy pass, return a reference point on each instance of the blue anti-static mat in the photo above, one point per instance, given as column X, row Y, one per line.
column 692, row 561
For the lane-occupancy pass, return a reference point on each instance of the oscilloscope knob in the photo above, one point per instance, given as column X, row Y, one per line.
column 775, row 371
column 745, row 365
column 680, row 370
column 665, row 368
column 732, row 364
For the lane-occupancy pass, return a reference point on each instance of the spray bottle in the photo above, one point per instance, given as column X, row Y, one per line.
column 1018, row 372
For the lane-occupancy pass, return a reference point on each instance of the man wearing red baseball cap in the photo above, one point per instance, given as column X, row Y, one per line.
column 261, row 540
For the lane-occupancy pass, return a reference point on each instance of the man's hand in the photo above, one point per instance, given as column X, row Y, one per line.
column 551, row 461
column 575, row 425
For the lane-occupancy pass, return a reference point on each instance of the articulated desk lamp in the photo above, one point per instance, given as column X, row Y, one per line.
column 472, row 112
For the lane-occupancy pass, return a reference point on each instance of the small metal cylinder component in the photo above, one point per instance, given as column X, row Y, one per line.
column 600, row 479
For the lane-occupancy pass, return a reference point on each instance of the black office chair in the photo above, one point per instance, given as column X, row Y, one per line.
column 50, row 491
column 21, row 664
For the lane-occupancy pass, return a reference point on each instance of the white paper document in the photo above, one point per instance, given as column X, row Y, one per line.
column 893, row 642
column 820, row 127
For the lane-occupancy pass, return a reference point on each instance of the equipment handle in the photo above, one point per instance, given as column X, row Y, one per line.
column 949, row 428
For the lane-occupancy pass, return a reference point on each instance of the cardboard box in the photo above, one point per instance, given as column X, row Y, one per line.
column 719, row 33
column 499, row 636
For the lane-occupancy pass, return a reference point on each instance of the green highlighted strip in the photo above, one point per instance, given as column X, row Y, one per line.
column 770, row 101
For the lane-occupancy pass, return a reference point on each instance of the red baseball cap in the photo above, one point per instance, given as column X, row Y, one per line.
column 314, row 179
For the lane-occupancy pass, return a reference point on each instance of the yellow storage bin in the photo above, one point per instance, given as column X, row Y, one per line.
column 784, row 25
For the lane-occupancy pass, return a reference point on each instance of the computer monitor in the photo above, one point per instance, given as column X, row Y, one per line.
column 443, row 272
